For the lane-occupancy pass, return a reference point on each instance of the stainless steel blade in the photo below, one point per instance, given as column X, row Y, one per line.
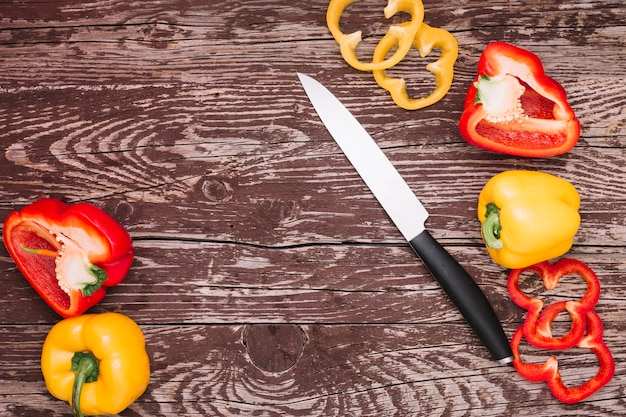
column 382, row 178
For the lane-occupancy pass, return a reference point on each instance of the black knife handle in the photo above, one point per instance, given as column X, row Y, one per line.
column 465, row 294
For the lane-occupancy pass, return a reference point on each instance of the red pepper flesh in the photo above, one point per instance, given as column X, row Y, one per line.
column 538, row 333
column 549, row 370
column 69, row 254
column 513, row 107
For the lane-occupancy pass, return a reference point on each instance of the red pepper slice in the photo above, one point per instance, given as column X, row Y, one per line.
column 549, row 370
column 513, row 107
column 537, row 332
column 69, row 254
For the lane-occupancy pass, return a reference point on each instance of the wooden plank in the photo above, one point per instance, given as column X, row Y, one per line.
column 228, row 283
column 344, row 370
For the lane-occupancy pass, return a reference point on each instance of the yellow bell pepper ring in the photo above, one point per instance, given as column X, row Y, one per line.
column 404, row 32
column 426, row 39
column 527, row 217
column 96, row 362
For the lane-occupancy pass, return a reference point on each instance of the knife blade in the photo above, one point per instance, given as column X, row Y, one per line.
column 409, row 216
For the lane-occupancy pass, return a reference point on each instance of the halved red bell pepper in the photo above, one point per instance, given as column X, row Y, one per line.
column 69, row 254
column 513, row 107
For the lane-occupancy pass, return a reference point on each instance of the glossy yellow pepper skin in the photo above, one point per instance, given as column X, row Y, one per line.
column 122, row 364
column 528, row 217
column 426, row 39
column 404, row 32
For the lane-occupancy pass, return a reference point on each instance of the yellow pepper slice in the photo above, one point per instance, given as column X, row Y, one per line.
column 403, row 32
column 527, row 217
column 426, row 39
column 96, row 362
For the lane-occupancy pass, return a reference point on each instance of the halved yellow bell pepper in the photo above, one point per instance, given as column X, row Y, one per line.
column 96, row 362
column 404, row 32
column 426, row 39
column 528, row 217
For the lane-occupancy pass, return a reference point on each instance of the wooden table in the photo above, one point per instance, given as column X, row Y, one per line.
column 267, row 279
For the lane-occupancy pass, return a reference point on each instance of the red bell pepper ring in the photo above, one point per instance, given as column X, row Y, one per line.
column 513, row 107
column 538, row 332
column 69, row 254
column 549, row 370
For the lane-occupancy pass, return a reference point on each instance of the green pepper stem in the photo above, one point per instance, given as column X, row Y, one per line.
column 85, row 367
column 491, row 227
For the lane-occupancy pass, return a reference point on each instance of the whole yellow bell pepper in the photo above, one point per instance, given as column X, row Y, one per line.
column 528, row 217
column 96, row 362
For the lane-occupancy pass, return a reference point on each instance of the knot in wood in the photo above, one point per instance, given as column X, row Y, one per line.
column 215, row 190
column 274, row 347
column 123, row 210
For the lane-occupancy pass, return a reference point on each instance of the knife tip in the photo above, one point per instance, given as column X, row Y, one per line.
column 302, row 76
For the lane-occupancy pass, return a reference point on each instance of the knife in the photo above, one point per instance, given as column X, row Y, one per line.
column 409, row 216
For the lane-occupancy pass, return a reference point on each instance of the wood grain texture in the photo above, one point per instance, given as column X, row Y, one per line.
column 185, row 121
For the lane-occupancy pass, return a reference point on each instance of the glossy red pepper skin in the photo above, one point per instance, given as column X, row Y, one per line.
column 548, row 371
column 538, row 333
column 586, row 330
column 548, row 127
column 37, row 237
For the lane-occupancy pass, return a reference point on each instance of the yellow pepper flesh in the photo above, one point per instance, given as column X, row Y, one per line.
column 405, row 32
column 426, row 39
column 117, row 343
column 528, row 217
column 400, row 38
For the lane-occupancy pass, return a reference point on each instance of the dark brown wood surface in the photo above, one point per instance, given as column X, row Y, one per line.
column 267, row 279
